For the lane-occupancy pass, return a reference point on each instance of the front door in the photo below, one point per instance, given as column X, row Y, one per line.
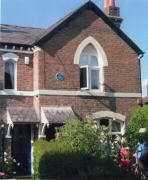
column 21, row 148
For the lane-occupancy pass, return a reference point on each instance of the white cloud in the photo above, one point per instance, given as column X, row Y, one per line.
column 144, row 82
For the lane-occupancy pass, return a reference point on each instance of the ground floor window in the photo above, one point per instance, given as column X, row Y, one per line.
column 115, row 126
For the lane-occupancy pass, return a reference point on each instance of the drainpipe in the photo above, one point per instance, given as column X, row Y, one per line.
column 140, row 57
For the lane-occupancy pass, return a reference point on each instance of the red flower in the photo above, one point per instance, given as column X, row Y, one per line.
column 2, row 174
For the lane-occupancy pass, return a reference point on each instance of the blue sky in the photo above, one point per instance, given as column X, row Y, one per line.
column 44, row 13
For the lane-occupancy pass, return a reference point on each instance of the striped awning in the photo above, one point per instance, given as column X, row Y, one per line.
column 57, row 114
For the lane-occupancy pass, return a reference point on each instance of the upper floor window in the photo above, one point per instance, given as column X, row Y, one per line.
column 9, row 75
column 90, row 70
column 10, row 71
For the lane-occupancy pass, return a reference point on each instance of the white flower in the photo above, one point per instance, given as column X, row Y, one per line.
column 5, row 159
column 14, row 160
column 14, row 172
column 18, row 164
column 5, row 153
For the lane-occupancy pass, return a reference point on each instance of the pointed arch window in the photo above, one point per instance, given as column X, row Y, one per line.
column 90, row 69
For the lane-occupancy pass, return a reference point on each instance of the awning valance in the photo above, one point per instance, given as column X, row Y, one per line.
column 57, row 114
column 22, row 114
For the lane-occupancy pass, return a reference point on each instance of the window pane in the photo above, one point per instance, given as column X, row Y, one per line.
column 83, row 60
column 94, row 61
column 83, row 77
column 104, row 122
column 94, row 79
column 116, row 126
column 9, row 75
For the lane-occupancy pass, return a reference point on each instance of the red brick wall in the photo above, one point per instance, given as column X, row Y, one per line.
column 6, row 101
column 24, row 75
column 122, row 74
column 84, row 106
column 57, row 55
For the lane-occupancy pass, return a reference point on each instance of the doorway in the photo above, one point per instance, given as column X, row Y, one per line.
column 21, row 148
column 50, row 131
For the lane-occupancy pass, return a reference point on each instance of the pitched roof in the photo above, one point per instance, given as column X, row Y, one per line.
column 23, row 114
column 10, row 34
column 88, row 5
column 58, row 114
column 29, row 36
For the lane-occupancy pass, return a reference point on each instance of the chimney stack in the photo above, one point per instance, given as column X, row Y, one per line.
column 112, row 12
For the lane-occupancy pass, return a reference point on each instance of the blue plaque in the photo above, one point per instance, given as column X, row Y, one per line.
column 60, row 76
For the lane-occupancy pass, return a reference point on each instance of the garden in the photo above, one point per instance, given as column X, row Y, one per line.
column 85, row 151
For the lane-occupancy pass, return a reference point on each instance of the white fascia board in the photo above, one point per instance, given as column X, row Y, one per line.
column 16, row 51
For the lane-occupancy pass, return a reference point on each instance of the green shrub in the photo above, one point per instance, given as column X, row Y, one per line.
column 41, row 147
column 82, row 136
column 57, row 160
column 82, row 151
column 9, row 166
column 138, row 120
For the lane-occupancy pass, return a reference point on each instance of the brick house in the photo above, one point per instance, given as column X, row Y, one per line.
column 84, row 66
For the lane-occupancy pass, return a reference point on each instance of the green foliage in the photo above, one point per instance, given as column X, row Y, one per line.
column 81, row 136
column 82, row 152
column 41, row 147
column 137, row 121
column 9, row 166
column 58, row 160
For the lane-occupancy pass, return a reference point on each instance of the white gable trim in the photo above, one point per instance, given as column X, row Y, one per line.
column 99, row 49
column 107, row 114
column 10, row 56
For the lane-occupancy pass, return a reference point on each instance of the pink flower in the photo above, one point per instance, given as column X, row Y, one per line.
column 2, row 174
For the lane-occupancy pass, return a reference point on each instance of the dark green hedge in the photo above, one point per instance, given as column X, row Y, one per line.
column 55, row 160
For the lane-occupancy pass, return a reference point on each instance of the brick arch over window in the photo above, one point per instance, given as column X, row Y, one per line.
column 111, row 117
column 107, row 114
column 10, row 56
column 90, row 40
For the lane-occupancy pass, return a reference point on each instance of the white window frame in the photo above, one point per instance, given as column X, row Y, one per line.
column 89, row 68
column 110, row 125
column 87, row 75
column 11, row 57
column 15, row 76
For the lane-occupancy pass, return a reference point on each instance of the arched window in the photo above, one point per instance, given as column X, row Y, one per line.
column 9, row 75
column 10, row 71
column 90, row 69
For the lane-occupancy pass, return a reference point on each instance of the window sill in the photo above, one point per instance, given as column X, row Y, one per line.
column 92, row 91
column 10, row 91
